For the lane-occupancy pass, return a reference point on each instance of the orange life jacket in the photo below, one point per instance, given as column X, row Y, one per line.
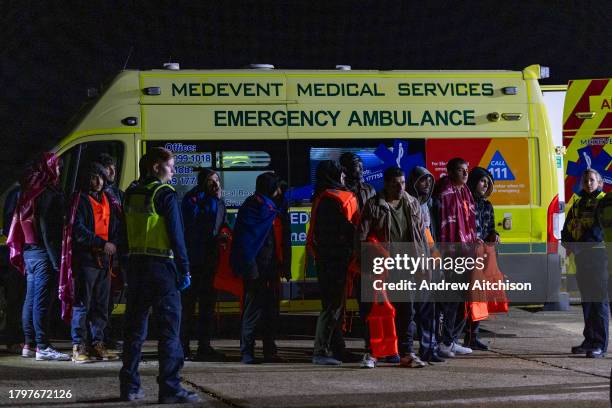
column 101, row 215
column 348, row 204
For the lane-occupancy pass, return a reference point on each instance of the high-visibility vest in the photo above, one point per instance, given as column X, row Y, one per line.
column 147, row 232
column 605, row 216
column 583, row 216
column 350, row 209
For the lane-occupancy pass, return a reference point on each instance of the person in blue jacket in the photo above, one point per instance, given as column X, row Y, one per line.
column 158, row 270
column 204, row 214
column 257, row 256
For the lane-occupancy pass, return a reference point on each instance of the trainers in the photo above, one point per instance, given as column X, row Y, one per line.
column 394, row 359
column 460, row 350
column 581, row 349
column 368, row 361
column 248, row 359
column 15, row 348
column 99, row 352
column 324, row 360
column 209, row 354
column 446, row 351
column 80, row 355
column 50, row 354
column 27, row 352
column 476, row 344
column 183, row 397
column 411, row 361
column 274, row 358
column 132, row 396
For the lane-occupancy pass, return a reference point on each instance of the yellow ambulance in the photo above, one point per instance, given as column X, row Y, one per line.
column 245, row 122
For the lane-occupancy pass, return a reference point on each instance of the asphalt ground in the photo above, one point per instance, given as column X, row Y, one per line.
column 529, row 365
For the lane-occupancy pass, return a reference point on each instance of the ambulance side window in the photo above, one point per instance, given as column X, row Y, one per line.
column 77, row 161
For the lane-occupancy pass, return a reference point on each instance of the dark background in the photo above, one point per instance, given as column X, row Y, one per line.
column 51, row 52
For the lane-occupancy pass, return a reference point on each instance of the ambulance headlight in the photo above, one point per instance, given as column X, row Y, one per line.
column 544, row 72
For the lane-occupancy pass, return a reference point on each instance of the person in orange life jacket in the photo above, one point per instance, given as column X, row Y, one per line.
column 455, row 217
column 256, row 255
column 352, row 166
column 395, row 216
column 35, row 245
column 204, row 214
column 480, row 182
column 13, row 279
column 420, row 186
column 110, row 187
column 95, row 237
column 331, row 236
column 583, row 236
column 158, row 270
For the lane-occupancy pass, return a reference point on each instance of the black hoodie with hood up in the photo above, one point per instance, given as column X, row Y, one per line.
column 485, row 215
column 416, row 175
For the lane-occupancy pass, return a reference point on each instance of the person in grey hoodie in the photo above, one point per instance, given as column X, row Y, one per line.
column 420, row 186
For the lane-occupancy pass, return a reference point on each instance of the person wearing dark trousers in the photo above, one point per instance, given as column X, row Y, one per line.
column 393, row 216
column 352, row 166
column 480, row 182
column 95, row 236
column 13, row 281
column 117, row 196
column 35, row 242
column 158, row 270
column 455, row 218
column 256, row 255
column 583, row 236
column 330, row 240
column 204, row 214
column 420, row 186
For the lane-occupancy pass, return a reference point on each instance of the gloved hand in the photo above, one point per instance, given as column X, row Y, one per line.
column 184, row 281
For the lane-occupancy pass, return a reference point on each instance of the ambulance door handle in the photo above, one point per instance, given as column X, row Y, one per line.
column 585, row 115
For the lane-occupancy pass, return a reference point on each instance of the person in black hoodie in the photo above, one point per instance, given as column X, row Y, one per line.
column 331, row 241
column 480, row 183
column 95, row 237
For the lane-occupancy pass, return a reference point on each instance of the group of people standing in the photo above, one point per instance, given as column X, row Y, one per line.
column 167, row 247
column 348, row 212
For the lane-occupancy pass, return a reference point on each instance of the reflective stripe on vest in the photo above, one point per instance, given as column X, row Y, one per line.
column 147, row 232
column 583, row 217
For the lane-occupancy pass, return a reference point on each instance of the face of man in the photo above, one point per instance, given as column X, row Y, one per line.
column 213, row 186
column 395, row 187
column 590, row 183
column 482, row 186
column 164, row 170
column 96, row 183
column 459, row 175
column 424, row 186
column 357, row 171
column 111, row 173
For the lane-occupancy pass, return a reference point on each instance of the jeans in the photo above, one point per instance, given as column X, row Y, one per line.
column 15, row 284
column 41, row 283
column 90, row 311
column 592, row 279
column 152, row 283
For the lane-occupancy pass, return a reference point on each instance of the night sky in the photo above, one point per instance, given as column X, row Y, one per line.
column 51, row 52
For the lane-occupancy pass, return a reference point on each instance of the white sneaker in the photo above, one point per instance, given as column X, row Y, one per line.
column 27, row 352
column 51, row 354
column 461, row 350
column 411, row 361
column 368, row 361
column 446, row 351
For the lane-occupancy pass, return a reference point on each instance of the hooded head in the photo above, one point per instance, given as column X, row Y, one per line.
column 420, row 184
column 267, row 184
column 353, row 168
column 93, row 178
column 330, row 175
column 474, row 184
column 209, row 182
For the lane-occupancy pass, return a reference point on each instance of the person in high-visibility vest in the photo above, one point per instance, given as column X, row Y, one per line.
column 584, row 237
column 330, row 240
column 158, row 270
